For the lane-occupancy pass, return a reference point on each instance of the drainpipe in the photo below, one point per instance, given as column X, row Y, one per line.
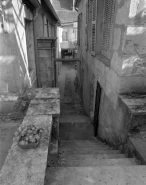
column 35, row 15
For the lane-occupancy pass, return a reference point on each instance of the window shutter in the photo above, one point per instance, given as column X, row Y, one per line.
column 86, row 28
column 94, row 13
column 108, row 19
column 79, row 27
column 78, row 30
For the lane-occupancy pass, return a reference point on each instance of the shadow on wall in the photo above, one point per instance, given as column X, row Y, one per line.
column 13, row 52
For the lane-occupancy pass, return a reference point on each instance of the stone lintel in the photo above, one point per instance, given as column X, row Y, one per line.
column 44, row 107
column 24, row 166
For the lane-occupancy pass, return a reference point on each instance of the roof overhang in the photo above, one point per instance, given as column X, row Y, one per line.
column 37, row 3
column 53, row 11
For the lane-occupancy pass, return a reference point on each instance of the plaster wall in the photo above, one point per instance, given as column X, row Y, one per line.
column 126, row 72
column 17, row 49
column 13, row 53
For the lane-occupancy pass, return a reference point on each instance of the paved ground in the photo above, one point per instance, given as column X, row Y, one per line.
column 70, row 100
column 83, row 159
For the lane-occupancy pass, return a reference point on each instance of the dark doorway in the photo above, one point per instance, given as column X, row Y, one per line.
column 96, row 111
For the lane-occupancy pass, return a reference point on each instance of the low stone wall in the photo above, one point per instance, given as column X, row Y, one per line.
column 29, row 166
column 115, row 124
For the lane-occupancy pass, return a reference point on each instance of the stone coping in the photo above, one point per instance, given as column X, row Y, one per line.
column 28, row 167
column 44, row 93
column 136, row 103
column 44, row 107
column 138, row 143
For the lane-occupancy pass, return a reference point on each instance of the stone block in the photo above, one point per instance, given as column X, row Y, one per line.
column 24, row 166
column 43, row 93
column 132, row 84
column 134, row 108
column 44, row 107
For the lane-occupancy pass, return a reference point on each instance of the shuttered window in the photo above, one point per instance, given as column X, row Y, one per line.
column 93, row 32
column 79, row 28
column 107, row 32
column 86, row 28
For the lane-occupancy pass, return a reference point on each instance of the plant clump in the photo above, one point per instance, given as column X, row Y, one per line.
column 26, row 135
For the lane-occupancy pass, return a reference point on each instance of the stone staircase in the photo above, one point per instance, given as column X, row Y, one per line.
column 85, row 160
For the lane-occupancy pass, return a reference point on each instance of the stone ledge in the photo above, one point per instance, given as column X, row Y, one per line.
column 44, row 107
column 28, row 166
column 137, row 147
column 136, row 107
column 43, row 93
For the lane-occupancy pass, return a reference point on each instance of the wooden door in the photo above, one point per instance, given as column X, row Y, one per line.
column 46, row 55
column 96, row 110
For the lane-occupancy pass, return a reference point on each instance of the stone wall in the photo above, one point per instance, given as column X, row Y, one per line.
column 126, row 72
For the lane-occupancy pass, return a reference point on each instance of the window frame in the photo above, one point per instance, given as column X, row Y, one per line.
column 99, row 29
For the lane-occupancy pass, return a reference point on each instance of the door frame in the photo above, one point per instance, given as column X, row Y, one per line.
column 97, row 108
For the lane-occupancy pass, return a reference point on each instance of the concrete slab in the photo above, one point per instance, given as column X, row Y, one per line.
column 111, row 175
column 44, row 107
column 24, row 166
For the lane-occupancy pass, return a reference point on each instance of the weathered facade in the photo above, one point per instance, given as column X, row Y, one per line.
column 22, row 23
column 112, row 48
column 67, row 33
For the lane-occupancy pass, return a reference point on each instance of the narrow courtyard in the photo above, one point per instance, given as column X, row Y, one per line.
column 72, row 92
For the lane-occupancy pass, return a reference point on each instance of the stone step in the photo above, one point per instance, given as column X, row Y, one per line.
column 74, row 119
column 75, row 127
column 83, row 143
column 76, row 136
column 93, row 156
column 71, row 150
column 89, row 161
column 111, row 175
